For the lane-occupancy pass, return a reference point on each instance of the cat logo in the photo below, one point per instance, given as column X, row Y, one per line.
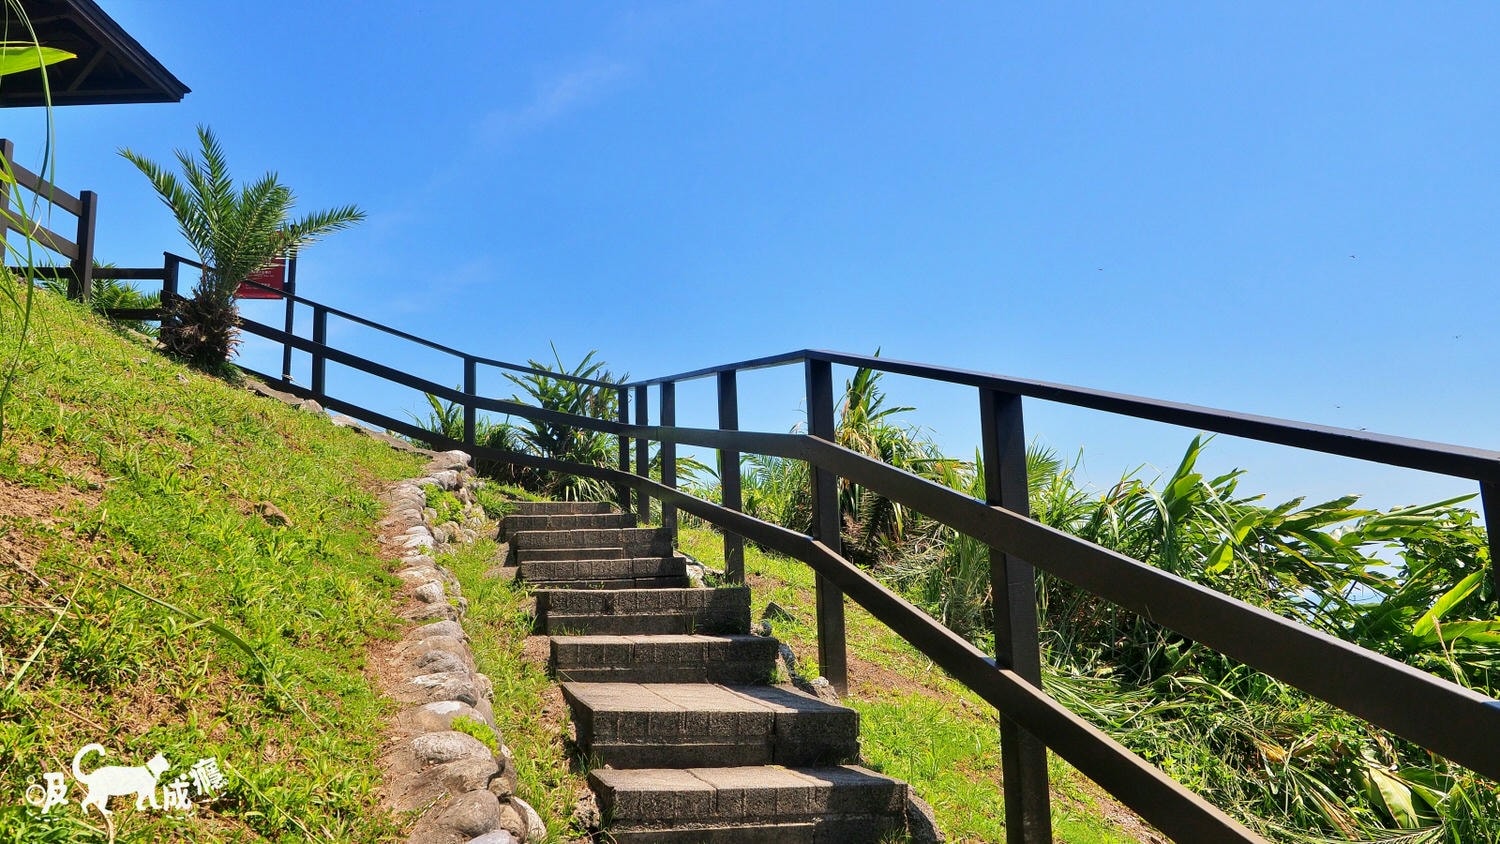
column 143, row 782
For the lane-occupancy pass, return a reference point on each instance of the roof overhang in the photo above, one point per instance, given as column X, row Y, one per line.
column 111, row 66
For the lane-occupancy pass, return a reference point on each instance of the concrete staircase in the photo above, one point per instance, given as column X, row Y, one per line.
column 671, row 697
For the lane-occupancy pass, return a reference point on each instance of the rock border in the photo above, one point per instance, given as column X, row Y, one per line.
column 463, row 785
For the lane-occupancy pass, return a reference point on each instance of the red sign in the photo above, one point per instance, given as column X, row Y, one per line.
column 272, row 275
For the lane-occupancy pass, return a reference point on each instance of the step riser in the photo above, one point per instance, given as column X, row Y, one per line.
column 515, row 524
column 662, row 624
column 676, row 728
column 730, row 674
column 549, row 555
column 559, row 508
column 741, row 661
column 678, row 582
column 850, row 829
column 643, row 601
column 739, row 804
column 535, row 571
column 646, row 542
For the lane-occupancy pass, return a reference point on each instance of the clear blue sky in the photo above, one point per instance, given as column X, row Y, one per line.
column 1282, row 208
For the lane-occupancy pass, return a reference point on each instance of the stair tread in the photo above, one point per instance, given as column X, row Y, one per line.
column 697, row 697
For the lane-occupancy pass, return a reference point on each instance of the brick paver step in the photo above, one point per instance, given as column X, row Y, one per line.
column 559, row 508
column 637, row 541
column 516, row 523
column 751, row 804
column 729, row 659
column 624, row 568
column 685, row 725
column 642, row 611
column 535, row 555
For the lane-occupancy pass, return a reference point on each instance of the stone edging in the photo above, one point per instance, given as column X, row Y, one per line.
column 466, row 790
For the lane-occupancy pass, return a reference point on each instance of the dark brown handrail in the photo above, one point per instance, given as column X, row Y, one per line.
column 1435, row 713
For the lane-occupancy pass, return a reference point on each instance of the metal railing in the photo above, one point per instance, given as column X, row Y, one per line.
column 1434, row 713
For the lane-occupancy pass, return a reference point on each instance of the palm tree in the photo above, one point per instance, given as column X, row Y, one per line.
column 235, row 232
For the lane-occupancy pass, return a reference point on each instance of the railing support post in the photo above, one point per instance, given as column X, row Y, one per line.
column 81, row 285
column 171, row 270
column 291, row 314
column 642, row 454
column 729, row 476
column 1489, row 502
column 833, row 658
column 1028, row 818
column 668, row 417
column 622, row 491
column 319, row 363
column 471, row 389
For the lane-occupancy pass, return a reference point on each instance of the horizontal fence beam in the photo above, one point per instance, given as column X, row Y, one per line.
column 1439, row 715
column 45, row 190
column 1442, row 458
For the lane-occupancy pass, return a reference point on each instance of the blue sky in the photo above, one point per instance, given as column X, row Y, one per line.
column 1282, row 208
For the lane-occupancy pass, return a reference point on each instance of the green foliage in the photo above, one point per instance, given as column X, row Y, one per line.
column 565, row 442
column 111, row 293
column 479, row 730
column 19, row 57
column 159, row 603
column 499, row 621
column 235, row 232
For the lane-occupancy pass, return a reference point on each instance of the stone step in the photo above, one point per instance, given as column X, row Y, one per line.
column 625, row 568
column 515, row 523
column 751, row 804
column 637, row 541
column 551, row 554
column 642, row 611
column 559, row 508
column 729, row 659
column 688, row 725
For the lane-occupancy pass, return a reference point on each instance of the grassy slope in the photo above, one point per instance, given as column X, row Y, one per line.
column 916, row 723
column 121, row 471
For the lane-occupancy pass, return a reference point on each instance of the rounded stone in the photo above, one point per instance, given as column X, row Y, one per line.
column 430, row 592
column 451, row 629
column 446, row 746
column 471, row 814
column 436, row 661
column 535, row 829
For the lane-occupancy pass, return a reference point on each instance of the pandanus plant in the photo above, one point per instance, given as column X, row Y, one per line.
column 235, row 232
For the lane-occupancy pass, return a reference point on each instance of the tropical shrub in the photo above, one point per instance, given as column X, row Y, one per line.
column 235, row 232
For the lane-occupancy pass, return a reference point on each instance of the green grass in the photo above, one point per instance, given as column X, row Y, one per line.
column 146, row 605
column 916, row 723
column 498, row 622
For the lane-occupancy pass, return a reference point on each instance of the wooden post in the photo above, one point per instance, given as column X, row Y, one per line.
column 291, row 313
column 729, row 476
column 1489, row 501
column 7, row 156
column 833, row 658
column 471, row 389
column 622, row 491
column 1023, row 757
column 642, row 454
column 668, row 456
column 81, row 285
column 319, row 363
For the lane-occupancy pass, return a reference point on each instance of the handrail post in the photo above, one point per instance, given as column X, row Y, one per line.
column 320, row 337
column 171, row 270
column 471, row 389
column 667, row 417
column 622, row 491
column 1489, row 502
column 833, row 656
column 1028, row 818
column 81, row 285
column 291, row 313
column 642, row 454
column 729, row 476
